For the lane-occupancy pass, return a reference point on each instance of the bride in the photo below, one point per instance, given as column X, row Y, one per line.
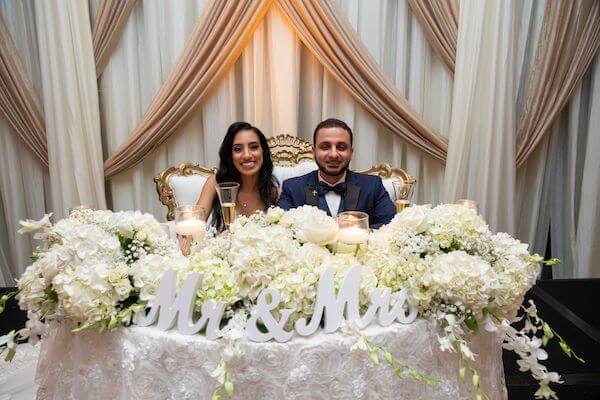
column 245, row 158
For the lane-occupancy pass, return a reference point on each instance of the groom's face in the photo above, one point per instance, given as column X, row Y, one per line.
column 333, row 151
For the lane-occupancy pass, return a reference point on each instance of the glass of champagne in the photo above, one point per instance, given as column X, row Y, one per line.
column 402, row 192
column 227, row 192
column 189, row 226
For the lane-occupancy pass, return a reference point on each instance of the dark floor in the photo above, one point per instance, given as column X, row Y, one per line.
column 571, row 308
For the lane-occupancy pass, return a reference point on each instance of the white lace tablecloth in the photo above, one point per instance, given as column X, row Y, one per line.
column 145, row 363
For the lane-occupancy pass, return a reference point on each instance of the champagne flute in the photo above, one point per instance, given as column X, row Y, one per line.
column 402, row 194
column 227, row 192
column 189, row 226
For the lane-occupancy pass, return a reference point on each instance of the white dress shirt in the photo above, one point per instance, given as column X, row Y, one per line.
column 332, row 198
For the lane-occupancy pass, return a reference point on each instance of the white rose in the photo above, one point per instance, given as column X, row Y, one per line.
column 311, row 225
column 413, row 218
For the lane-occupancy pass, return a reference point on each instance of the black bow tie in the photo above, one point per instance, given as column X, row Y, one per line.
column 340, row 188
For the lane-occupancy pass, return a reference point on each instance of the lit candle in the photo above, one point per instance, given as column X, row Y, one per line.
column 353, row 235
column 193, row 227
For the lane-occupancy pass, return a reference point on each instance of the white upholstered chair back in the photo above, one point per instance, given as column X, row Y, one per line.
column 292, row 156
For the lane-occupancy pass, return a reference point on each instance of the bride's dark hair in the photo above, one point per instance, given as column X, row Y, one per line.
column 227, row 172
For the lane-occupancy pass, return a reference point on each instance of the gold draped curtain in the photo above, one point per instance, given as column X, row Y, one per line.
column 19, row 104
column 568, row 42
column 108, row 26
column 439, row 20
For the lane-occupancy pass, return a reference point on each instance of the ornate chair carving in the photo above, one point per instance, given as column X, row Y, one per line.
column 292, row 156
column 388, row 174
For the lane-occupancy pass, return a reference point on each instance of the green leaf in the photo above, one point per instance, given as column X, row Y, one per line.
column 475, row 380
column 83, row 328
column 545, row 340
column 547, row 331
column 565, row 348
column 399, row 373
column 414, row 374
column 112, row 323
column 216, row 397
column 462, row 372
column 388, row 357
column 373, row 355
column 229, row 388
column 472, row 324
column 10, row 355
column 52, row 295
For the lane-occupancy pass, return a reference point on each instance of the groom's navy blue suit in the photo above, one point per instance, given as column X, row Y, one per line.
column 363, row 193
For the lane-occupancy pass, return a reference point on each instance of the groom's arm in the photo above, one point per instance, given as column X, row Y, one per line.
column 384, row 210
column 285, row 200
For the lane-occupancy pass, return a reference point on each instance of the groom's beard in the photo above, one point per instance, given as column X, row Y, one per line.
column 333, row 172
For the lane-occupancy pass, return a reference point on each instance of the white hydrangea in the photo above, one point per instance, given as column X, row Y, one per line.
column 257, row 253
column 148, row 271
column 456, row 227
column 89, row 291
column 456, row 278
column 219, row 280
column 32, row 288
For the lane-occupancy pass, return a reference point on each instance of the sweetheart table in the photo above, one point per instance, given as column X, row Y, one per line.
column 146, row 363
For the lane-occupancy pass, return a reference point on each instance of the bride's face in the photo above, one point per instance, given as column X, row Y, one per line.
column 247, row 152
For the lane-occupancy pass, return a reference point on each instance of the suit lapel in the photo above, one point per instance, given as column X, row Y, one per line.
column 352, row 192
column 310, row 191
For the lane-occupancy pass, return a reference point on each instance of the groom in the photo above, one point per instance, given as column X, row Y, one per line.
column 334, row 188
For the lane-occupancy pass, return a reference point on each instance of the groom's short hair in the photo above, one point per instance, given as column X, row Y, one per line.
column 332, row 123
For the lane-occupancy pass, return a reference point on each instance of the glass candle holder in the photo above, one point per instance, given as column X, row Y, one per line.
column 227, row 192
column 353, row 227
column 189, row 226
column 472, row 204
column 403, row 192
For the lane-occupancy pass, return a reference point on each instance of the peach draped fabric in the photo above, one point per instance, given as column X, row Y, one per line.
column 569, row 39
column 19, row 104
column 108, row 26
column 439, row 20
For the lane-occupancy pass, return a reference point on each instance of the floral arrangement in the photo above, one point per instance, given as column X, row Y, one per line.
column 100, row 268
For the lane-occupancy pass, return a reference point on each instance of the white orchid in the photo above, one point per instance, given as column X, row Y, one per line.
column 30, row 225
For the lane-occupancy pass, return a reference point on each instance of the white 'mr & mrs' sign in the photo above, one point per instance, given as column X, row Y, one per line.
column 170, row 308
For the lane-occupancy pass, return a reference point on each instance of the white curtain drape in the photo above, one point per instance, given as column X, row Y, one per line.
column 276, row 85
column 23, row 179
column 481, row 152
column 560, row 186
column 70, row 98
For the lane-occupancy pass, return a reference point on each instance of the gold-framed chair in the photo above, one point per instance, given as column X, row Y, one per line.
column 388, row 174
column 169, row 187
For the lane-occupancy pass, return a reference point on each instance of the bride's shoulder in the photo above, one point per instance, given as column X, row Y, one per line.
column 211, row 180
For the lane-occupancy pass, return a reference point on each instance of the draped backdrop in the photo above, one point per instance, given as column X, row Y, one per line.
column 498, row 101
